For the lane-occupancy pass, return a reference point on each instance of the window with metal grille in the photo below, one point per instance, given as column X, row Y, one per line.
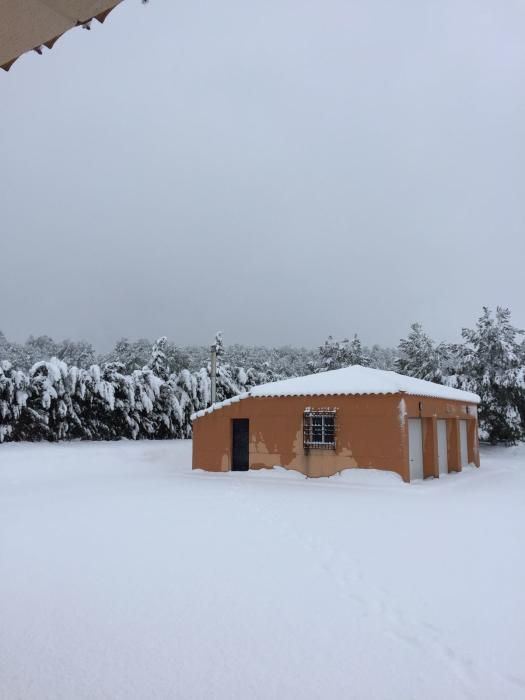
column 319, row 428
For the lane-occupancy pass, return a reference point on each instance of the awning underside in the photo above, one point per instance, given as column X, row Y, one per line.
column 27, row 25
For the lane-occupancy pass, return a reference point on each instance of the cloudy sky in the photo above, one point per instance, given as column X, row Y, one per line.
column 280, row 169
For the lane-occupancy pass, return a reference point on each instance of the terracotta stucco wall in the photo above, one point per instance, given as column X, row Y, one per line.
column 371, row 432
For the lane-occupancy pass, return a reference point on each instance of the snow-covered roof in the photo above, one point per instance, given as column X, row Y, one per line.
column 353, row 380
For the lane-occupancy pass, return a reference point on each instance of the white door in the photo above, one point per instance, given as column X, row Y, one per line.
column 463, row 432
column 442, row 446
column 415, row 448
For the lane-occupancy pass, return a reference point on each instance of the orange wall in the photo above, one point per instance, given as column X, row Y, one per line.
column 371, row 432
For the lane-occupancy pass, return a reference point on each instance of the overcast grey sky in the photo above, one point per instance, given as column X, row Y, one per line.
column 280, row 169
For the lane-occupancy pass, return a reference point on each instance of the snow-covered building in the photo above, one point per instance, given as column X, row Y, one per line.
column 351, row 417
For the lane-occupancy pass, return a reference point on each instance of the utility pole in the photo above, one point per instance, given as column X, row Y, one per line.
column 213, row 373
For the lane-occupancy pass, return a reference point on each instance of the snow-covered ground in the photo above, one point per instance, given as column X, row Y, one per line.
column 126, row 576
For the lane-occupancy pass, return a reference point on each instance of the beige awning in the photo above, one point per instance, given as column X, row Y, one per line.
column 31, row 24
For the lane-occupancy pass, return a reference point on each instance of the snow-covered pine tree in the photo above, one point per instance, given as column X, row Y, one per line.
column 4, row 347
column 146, row 387
column 219, row 345
column 335, row 354
column 330, row 354
column 167, row 413
column 383, row 358
column 419, row 357
column 132, row 354
column 203, row 390
column 75, row 353
column 173, row 411
column 186, row 385
column 492, row 366
column 13, row 398
column 241, row 379
column 105, row 396
column 177, row 358
column 79, row 394
column 49, row 414
column 118, row 416
column 40, row 348
column 264, row 374
column 356, row 355
column 14, row 353
column 226, row 383
column 158, row 362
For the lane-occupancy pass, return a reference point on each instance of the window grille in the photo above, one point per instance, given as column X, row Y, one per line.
column 319, row 429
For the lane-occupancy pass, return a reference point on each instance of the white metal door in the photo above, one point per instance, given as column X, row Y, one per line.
column 442, row 446
column 463, row 442
column 415, row 448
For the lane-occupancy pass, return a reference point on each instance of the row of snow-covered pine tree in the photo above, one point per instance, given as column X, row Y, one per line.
column 62, row 391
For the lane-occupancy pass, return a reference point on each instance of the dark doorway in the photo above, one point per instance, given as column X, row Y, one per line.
column 240, row 444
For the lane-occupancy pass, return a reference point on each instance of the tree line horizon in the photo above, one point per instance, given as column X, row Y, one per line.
column 62, row 390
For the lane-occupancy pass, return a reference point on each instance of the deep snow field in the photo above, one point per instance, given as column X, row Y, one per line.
column 126, row 576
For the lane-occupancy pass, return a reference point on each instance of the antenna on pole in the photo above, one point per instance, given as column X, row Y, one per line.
column 213, row 373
